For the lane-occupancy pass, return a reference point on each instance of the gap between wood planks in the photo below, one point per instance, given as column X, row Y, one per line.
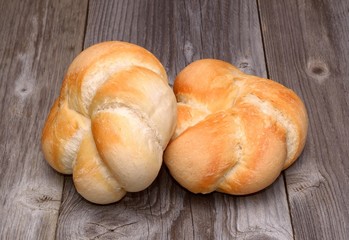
column 64, row 177
column 268, row 76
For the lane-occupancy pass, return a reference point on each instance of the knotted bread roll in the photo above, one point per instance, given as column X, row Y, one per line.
column 235, row 132
column 113, row 119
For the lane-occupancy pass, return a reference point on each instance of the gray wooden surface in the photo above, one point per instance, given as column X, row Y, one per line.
column 307, row 49
column 302, row 44
column 38, row 40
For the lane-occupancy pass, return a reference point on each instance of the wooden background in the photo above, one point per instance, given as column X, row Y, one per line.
column 304, row 44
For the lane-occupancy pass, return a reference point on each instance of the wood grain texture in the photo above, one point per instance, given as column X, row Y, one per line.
column 38, row 39
column 307, row 48
column 179, row 32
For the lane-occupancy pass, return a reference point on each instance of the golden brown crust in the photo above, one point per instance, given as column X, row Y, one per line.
column 61, row 126
column 236, row 132
column 92, row 178
column 113, row 118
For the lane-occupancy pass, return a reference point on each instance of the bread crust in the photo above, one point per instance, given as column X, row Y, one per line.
column 235, row 132
column 114, row 117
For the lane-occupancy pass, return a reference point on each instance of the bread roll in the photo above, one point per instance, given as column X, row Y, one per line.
column 112, row 121
column 235, row 132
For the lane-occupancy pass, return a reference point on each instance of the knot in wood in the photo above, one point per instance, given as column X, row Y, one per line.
column 318, row 70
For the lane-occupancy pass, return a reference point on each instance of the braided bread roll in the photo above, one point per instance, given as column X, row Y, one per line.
column 112, row 121
column 235, row 132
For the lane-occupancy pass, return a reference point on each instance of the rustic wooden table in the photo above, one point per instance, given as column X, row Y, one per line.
column 302, row 44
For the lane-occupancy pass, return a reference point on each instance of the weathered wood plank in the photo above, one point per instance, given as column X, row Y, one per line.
column 179, row 32
column 307, row 48
column 234, row 35
column 38, row 39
